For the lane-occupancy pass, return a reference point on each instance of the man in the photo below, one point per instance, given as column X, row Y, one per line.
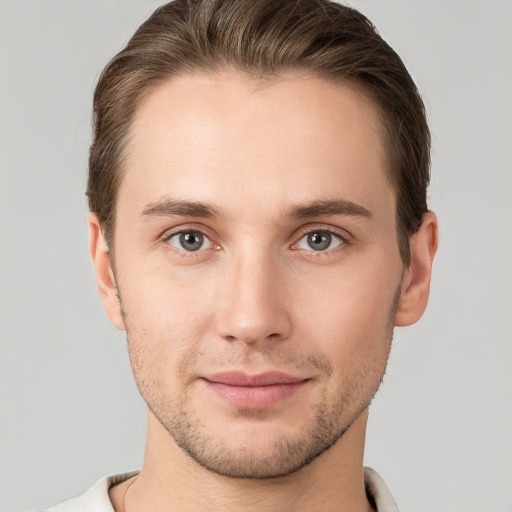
column 259, row 225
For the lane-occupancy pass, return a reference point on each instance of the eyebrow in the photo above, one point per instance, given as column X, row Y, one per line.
column 170, row 207
column 329, row 207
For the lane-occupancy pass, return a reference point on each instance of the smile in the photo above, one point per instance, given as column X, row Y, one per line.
column 254, row 391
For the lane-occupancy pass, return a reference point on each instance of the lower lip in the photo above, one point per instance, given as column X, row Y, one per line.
column 255, row 397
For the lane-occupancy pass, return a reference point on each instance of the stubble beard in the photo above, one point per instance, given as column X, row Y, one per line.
column 326, row 424
column 281, row 457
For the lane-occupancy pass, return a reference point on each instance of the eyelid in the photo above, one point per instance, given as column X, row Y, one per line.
column 206, row 241
column 185, row 228
column 340, row 233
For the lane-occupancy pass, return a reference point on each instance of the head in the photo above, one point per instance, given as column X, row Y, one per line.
column 264, row 40
column 259, row 223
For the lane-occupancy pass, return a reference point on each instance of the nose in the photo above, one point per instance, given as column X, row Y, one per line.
column 252, row 301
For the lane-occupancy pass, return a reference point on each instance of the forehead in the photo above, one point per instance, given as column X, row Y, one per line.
column 227, row 137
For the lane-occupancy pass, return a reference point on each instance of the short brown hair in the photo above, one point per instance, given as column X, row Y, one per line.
column 262, row 38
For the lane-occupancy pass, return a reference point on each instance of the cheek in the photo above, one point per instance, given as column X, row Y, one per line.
column 349, row 314
column 171, row 309
column 165, row 319
column 353, row 329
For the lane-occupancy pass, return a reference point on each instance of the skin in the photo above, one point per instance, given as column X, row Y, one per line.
column 257, row 296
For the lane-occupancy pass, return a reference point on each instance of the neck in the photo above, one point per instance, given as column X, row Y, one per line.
column 171, row 480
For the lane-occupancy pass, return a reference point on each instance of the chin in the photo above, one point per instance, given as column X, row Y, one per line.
column 272, row 459
column 254, row 446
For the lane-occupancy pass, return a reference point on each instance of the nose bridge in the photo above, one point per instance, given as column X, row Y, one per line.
column 250, row 306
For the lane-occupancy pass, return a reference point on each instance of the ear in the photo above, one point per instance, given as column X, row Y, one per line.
column 416, row 280
column 105, row 279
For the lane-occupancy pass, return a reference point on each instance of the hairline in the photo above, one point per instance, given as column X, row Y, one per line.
column 262, row 79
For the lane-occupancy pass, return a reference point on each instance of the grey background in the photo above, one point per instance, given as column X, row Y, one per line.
column 441, row 427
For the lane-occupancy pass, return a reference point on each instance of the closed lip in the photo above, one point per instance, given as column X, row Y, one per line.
column 238, row 378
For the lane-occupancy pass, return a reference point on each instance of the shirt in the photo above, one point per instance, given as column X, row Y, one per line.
column 96, row 499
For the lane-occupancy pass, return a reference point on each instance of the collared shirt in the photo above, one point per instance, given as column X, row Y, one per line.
column 96, row 499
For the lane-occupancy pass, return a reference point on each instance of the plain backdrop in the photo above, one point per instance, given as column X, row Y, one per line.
column 440, row 431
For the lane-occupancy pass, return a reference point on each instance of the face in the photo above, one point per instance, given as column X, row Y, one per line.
column 258, row 267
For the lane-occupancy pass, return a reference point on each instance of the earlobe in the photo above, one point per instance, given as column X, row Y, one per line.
column 105, row 279
column 416, row 280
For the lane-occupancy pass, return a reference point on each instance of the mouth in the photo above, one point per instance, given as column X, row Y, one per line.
column 259, row 391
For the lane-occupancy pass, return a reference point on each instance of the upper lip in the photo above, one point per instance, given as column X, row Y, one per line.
column 237, row 378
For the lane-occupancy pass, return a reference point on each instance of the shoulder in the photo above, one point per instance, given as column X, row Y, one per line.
column 377, row 492
column 96, row 499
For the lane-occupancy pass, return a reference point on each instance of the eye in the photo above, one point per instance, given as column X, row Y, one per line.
column 190, row 241
column 319, row 240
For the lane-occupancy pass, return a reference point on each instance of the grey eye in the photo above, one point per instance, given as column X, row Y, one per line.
column 190, row 241
column 319, row 241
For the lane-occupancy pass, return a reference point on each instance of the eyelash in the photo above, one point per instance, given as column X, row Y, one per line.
column 343, row 238
column 168, row 235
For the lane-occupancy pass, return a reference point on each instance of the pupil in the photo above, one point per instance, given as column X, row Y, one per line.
column 191, row 241
column 319, row 241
